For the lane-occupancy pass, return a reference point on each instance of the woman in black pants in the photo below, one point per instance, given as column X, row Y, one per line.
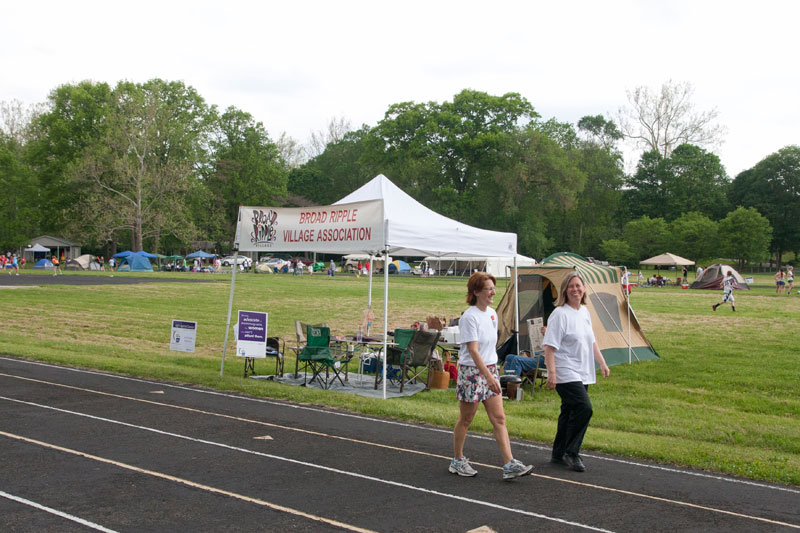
column 570, row 352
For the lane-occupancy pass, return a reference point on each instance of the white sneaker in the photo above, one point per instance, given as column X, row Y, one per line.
column 462, row 467
column 515, row 469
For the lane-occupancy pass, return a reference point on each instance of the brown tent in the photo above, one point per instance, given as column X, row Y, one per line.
column 713, row 275
column 538, row 290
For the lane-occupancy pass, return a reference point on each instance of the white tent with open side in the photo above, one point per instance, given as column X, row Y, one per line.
column 499, row 267
column 377, row 218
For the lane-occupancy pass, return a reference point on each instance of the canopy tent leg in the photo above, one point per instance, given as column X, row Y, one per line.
column 385, row 313
column 228, row 322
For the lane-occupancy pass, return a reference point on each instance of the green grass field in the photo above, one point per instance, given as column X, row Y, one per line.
column 723, row 397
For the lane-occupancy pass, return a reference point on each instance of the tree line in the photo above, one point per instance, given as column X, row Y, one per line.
column 154, row 166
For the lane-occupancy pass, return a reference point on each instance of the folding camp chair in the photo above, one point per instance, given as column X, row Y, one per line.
column 401, row 339
column 318, row 357
column 415, row 358
column 275, row 348
column 300, row 332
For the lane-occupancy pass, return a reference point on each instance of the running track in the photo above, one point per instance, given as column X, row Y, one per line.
column 82, row 450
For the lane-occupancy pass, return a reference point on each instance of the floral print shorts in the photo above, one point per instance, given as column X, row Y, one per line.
column 471, row 386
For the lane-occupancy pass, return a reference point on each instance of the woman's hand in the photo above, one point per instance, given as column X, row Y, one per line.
column 493, row 384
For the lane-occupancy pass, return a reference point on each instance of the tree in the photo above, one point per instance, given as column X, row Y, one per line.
column 661, row 120
column 74, row 120
column 772, row 186
column 745, row 235
column 694, row 180
column 616, row 251
column 247, row 168
column 596, row 215
column 141, row 169
column 647, row 236
column 336, row 131
column 599, row 131
column 18, row 196
column 690, row 179
column 694, row 236
column 644, row 195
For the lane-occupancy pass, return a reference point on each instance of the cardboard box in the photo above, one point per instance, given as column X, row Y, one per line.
column 535, row 335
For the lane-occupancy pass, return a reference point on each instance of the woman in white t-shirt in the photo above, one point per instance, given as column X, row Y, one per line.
column 570, row 352
column 478, row 379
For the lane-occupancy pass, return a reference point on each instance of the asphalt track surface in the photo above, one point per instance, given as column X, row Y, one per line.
column 81, row 450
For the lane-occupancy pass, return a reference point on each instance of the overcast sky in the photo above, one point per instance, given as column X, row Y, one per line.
column 296, row 65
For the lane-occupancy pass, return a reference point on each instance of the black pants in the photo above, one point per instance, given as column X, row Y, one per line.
column 576, row 411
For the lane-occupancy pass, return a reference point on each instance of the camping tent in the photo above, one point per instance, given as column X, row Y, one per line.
column 84, row 262
column 378, row 217
column 713, row 275
column 200, row 254
column 538, row 290
column 499, row 267
column 43, row 264
column 120, row 255
column 667, row 260
column 134, row 263
column 398, row 266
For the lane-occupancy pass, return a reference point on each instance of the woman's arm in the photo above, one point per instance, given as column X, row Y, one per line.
column 598, row 357
column 494, row 385
column 550, row 363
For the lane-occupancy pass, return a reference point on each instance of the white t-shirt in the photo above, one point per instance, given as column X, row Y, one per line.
column 481, row 326
column 728, row 282
column 569, row 332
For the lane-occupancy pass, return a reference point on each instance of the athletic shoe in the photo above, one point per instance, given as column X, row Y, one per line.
column 558, row 460
column 462, row 467
column 516, row 469
column 574, row 462
column 714, row 307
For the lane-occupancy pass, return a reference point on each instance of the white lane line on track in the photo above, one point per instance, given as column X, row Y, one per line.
column 56, row 512
column 270, row 456
column 403, row 424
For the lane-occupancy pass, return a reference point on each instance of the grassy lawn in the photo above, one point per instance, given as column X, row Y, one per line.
column 723, row 397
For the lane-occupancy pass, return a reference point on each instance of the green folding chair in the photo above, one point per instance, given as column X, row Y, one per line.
column 402, row 337
column 318, row 357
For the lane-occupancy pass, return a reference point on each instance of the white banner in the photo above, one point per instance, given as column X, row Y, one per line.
column 340, row 228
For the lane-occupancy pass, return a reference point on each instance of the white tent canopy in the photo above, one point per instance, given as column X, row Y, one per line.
column 377, row 218
column 667, row 260
column 496, row 266
column 413, row 229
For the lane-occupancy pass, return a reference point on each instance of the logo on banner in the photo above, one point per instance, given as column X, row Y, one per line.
column 264, row 223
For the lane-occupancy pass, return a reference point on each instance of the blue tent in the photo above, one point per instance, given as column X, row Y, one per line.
column 43, row 264
column 399, row 266
column 134, row 263
column 201, row 254
column 146, row 254
column 126, row 253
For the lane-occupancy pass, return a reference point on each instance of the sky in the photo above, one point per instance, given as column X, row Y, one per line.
column 295, row 66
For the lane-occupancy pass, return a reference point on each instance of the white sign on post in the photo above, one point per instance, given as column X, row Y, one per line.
column 183, row 336
column 251, row 334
